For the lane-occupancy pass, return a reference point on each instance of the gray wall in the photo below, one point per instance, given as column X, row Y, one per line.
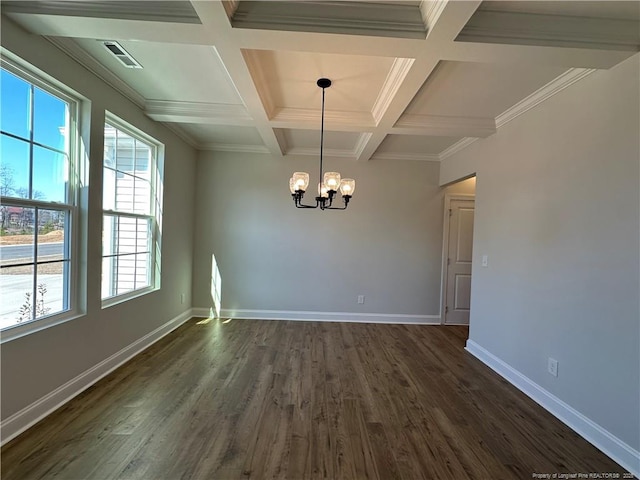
column 36, row 364
column 557, row 212
column 387, row 245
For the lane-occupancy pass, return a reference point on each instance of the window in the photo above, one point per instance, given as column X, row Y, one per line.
column 131, row 212
column 38, row 198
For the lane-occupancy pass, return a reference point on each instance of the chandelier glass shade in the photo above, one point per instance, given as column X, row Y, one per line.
column 330, row 182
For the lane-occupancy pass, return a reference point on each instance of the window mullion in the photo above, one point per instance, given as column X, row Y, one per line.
column 35, row 263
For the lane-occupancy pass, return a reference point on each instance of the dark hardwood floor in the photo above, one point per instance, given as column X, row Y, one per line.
column 278, row 399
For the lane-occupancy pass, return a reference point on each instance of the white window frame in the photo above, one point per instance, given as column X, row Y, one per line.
column 23, row 70
column 155, row 215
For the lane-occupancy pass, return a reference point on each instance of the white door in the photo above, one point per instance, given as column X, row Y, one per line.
column 458, row 264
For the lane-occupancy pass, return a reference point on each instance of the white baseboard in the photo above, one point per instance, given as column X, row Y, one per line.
column 322, row 316
column 20, row 421
column 616, row 449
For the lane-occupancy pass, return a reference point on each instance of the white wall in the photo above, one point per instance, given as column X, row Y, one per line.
column 387, row 245
column 37, row 364
column 557, row 213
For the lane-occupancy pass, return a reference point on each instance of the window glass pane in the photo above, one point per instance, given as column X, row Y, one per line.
column 109, row 146
column 143, row 160
column 51, row 235
column 126, row 235
column 108, row 274
column 142, row 199
column 17, row 237
column 49, row 120
column 126, row 152
column 15, row 111
column 142, row 273
column 16, row 292
column 14, row 167
column 50, row 289
column 109, row 234
column 49, row 175
column 109, row 189
column 143, row 235
column 126, row 274
column 124, row 192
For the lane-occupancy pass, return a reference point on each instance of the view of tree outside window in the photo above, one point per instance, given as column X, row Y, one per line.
column 37, row 204
column 130, row 212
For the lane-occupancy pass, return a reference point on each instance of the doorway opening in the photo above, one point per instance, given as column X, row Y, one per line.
column 457, row 252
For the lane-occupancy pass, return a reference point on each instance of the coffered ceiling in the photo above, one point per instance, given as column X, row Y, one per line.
column 412, row 80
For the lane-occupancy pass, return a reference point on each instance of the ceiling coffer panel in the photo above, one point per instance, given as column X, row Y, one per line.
column 149, row 10
column 392, row 19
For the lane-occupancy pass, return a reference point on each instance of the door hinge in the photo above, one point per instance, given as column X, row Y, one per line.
column 450, row 212
column 448, row 261
column 446, row 309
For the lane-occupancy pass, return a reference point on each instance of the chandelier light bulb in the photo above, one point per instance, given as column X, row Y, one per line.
column 322, row 190
column 332, row 180
column 301, row 180
column 347, row 186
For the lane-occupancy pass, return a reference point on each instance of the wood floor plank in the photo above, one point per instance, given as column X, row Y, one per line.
column 253, row 399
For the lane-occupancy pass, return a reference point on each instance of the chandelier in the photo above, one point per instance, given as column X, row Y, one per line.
column 330, row 181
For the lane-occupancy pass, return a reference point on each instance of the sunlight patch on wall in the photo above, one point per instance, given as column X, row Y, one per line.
column 216, row 288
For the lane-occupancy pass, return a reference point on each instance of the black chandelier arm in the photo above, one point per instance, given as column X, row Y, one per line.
column 345, row 199
column 297, row 200
column 336, row 208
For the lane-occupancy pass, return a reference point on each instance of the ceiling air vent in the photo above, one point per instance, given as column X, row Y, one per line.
column 121, row 54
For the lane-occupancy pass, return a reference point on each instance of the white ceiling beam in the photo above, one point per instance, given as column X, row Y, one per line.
column 570, row 57
column 551, row 30
column 327, row 43
column 215, row 19
column 308, row 119
column 451, row 17
column 114, row 29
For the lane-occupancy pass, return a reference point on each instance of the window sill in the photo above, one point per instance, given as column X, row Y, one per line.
column 125, row 297
column 27, row 328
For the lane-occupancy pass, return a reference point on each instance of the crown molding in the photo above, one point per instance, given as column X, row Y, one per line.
column 196, row 112
column 361, row 144
column 233, row 148
column 175, row 128
column 431, row 11
column 492, row 26
column 163, row 11
column 439, row 125
column 392, row 83
column 302, row 118
column 556, row 85
column 456, row 147
column 413, row 157
column 72, row 49
column 343, row 17
column 230, row 6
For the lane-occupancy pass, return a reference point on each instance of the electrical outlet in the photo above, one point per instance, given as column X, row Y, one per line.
column 182, row 298
column 552, row 366
column 485, row 260
column 360, row 298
